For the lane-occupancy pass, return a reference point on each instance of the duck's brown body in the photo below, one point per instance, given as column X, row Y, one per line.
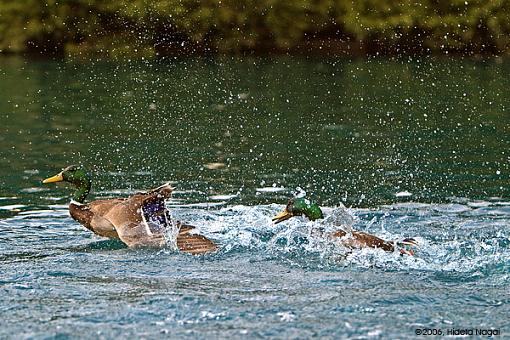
column 352, row 239
column 139, row 220
column 126, row 219
column 359, row 239
column 91, row 216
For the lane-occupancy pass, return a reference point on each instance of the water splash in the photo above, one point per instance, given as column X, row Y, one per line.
column 452, row 237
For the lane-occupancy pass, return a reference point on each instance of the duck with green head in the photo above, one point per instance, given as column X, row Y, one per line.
column 352, row 239
column 139, row 220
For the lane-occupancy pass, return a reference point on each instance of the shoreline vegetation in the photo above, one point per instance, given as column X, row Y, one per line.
column 165, row 28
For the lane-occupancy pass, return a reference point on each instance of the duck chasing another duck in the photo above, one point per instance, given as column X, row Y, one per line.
column 139, row 220
column 350, row 239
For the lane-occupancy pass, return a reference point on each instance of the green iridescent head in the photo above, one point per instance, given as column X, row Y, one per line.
column 298, row 207
column 74, row 175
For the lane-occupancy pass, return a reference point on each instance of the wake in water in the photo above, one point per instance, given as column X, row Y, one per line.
column 452, row 237
column 468, row 237
column 240, row 228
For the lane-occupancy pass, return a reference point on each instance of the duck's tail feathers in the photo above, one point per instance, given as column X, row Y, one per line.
column 408, row 242
column 407, row 246
column 194, row 244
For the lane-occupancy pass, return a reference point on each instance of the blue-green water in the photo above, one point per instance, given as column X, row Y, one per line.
column 412, row 148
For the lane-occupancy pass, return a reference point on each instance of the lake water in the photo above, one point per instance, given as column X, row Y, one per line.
column 413, row 148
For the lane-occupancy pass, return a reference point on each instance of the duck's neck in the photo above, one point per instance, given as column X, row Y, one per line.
column 82, row 185
column 313, row 212
column 315, row 215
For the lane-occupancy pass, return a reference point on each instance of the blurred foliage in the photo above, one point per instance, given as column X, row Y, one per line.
column 146, row 28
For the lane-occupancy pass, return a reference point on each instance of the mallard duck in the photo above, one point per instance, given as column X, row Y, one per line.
column 139, row 220
column 351, row 238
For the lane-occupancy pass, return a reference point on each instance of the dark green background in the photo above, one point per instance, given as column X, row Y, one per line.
column 135, row 28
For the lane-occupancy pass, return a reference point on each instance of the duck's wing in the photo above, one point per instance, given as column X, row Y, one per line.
column 141, row 219
column 188, row 241
column 195, row 244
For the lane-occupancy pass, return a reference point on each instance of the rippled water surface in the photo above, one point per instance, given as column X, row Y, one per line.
column 412, row 148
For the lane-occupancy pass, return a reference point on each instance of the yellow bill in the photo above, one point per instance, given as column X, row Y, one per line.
column 57, row 178
column 284, row 215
